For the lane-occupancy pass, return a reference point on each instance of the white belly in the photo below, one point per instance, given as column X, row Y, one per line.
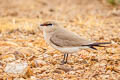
column 68, row 49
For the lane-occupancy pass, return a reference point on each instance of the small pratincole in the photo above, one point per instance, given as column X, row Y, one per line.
column 66, row 41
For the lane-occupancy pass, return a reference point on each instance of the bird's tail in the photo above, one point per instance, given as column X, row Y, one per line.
column 97, row 44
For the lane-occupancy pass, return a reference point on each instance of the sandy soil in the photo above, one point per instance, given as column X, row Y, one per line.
column 24, row 55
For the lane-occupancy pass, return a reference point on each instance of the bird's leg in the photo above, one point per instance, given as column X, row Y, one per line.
column 64, row 61
column 66, row 57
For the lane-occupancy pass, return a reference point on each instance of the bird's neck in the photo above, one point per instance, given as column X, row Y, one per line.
column 47, row 35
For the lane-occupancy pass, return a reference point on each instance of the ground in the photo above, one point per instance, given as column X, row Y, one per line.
column 24, row 55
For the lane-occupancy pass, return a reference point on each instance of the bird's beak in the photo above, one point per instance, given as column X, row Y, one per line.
column 43, row 24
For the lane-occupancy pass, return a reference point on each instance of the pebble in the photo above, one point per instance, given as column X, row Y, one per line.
column 16, row 67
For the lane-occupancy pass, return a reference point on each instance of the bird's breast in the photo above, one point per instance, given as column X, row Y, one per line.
column 47, row 37
column 66, row 49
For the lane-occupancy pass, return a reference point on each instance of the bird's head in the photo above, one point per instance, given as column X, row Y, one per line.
column 49, row 26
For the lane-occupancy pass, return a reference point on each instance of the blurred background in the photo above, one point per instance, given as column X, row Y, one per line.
column 24, row 55
column 58, row 9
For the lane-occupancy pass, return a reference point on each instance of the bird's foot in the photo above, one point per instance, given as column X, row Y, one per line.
column 63, row 62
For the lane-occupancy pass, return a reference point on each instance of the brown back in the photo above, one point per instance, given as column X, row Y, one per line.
column 65, row 38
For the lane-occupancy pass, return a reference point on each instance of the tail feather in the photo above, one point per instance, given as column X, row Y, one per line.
column 99, row 43
column 93, row 45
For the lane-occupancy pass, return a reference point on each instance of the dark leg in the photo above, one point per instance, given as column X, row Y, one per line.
column 66, row 58
column 64, row 61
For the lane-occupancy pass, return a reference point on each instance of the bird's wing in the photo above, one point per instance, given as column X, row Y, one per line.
column 64, row 38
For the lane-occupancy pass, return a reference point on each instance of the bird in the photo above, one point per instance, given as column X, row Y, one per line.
column 65, row 40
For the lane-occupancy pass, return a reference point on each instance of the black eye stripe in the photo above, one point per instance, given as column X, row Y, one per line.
column 49, row 24
column 46, row 24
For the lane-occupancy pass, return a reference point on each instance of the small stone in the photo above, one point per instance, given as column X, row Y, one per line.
column 16, row 67
column 72, row 72
column 65, row 68
column 8, row 57
column 55, row 55
column 40, row 62
column 46, row 55
column 104, row 77
column 33, row 78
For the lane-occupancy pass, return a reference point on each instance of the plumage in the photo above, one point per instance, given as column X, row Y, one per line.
column 65, row 38
column 66, row 41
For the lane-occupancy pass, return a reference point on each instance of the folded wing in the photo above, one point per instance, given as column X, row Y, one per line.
column 64, row 38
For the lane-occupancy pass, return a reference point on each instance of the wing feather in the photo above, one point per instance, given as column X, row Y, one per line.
column 64, row 38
